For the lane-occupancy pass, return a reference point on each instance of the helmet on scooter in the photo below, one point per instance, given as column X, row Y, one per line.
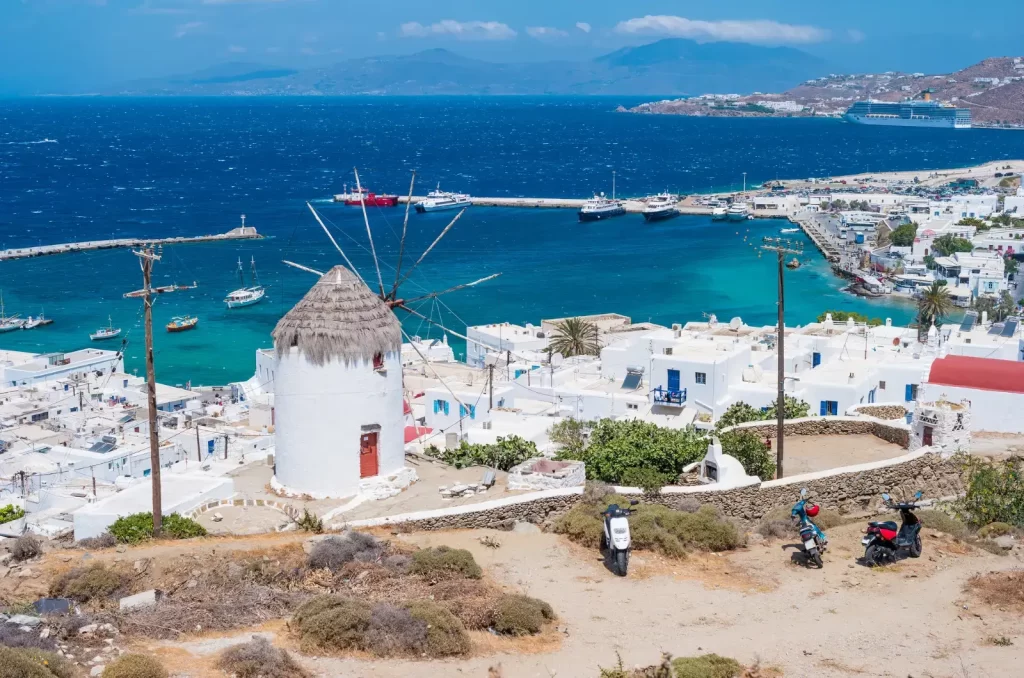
column 812, row 510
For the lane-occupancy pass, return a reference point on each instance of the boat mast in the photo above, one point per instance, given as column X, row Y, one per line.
column 613, row 184
column 241, row 273
column 255, row 280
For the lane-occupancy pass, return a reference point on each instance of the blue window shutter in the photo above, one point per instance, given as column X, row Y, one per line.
column 472, row 411
column 824, row 408
column 446, row 407
column 816, row 359
column 462, row 410
column 435, row 406
column 910, row 392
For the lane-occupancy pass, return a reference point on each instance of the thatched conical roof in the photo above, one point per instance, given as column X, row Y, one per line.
column 339, row 318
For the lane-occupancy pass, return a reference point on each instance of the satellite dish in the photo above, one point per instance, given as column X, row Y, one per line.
column 556, row 359
column 735, row 323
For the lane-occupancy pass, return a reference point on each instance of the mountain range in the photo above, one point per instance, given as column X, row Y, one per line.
column 670, row 66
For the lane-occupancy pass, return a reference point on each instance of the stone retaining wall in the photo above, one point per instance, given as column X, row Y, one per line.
column 832, row 426
column 527, row 508
column 887, row 412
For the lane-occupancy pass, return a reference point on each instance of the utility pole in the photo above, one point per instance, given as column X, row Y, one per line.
column 199, row 450
column 490, row 385
column 781, row 247
column 147, row 257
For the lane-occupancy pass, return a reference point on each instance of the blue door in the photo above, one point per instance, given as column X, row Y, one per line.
column 910, row 392
column 824, row 408
column 815, row 359
column 673, row 380
column 871, row 396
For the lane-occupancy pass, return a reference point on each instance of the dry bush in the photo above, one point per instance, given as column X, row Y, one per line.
column 103, row 541
column 662, row 670
column 83, row 584
column 398, row 561
column 595, row 491
column 441, row 562
column 25, row 547
column 688, row 505
column 1004, row 589
column 22, row 662
column 13, row 636
column 940, row 521
column 473, row 601
column 993, row 530
column 333, row 623
column 394, row 631
column 778, row 523
column 446, row 636
column 135, row 666
column 519, row 615
column 334, row 553
column 706, row 666
column 259, row 659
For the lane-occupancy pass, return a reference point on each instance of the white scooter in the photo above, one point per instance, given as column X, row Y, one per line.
column 616, row 536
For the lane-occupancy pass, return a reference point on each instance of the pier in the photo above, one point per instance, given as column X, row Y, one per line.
column 552, row 203
column 240, row 233
column 810, row 225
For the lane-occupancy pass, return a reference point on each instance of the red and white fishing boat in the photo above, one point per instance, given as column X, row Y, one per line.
column 371, row 199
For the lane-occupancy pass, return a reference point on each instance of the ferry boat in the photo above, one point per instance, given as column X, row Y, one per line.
column 246, row 296
column 661, row 206
column 908, row 114
column 108, row 332
column 599, row 207
column 370, row 199
column 719, row 213
column 438, row 200
column 738, row 211
column 182, row 323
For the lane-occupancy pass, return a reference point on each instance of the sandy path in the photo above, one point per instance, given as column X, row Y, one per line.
column 808, row 622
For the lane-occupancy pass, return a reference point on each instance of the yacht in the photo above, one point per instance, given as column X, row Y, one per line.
column 719, row 213
column 738, row 211
column 661, row 206
column 246, row 296
column 8, row 322
column 438, row 200
column 108, row 332
column 599, row 207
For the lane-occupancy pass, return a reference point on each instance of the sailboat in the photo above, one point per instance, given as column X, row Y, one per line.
column 8, row 323
column 246, row 296
column 108, row 332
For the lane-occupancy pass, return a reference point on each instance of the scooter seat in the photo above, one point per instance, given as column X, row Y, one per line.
column 886, row 525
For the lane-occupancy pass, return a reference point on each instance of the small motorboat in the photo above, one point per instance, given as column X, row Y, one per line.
column 182, row 323
column 793, row 263
column 108, row 332
column 790, row 230
column 38, row 321
column 8, row 323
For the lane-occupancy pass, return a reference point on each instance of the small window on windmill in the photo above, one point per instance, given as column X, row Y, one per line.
column 378, row 362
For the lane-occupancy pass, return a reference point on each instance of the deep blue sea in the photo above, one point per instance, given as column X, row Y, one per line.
column 81, row 169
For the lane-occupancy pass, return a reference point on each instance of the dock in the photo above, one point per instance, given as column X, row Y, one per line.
column 809, row 225
column 240, row 233
column 550, row 203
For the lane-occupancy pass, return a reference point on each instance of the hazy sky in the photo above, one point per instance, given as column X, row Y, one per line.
column 48, row 45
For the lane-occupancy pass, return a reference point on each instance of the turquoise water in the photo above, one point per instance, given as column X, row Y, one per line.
column 186, row 167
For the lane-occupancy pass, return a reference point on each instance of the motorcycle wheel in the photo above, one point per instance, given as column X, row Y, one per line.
column 815, row 556
column 621, row 563
column 877, row 555
column 916, row 547
column 604, row 542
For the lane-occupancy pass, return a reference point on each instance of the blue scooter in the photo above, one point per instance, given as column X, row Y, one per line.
column 814, row 540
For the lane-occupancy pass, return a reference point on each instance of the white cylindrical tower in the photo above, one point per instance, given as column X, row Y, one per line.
column 338, row 389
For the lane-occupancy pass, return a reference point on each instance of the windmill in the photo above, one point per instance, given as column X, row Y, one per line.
column 392, row 296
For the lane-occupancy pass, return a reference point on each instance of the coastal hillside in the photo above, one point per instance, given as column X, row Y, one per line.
column 671, row 66
column 993, row 90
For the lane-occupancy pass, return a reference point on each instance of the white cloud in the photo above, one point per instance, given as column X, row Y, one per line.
column 186, row 29
column 462, row 30
column 759, row 31
column 583, row 26
column 237, row 49
column 545, row 32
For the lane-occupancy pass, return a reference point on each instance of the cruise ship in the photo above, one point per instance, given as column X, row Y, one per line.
column 600, row 207
column 909, row 114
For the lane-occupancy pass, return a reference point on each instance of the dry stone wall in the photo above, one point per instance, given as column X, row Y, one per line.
column 883, row 411
column 824, row 426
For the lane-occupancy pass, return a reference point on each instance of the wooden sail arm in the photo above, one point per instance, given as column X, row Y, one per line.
column 456, row 288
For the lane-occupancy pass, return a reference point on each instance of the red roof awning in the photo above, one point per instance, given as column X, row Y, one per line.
column 987, row 374
column 414, row 432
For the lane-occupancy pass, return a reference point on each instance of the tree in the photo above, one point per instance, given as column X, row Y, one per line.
column 904, row 234
column 739, row 413
column 1007, row 306
column 751, row 452
column 795, row 409
column 929, row 262
column 570, row 433
column 971, row 221
column 1010, row 265
column 933, row 304
column 842, row 316
column 946, row 245
column 575, row 336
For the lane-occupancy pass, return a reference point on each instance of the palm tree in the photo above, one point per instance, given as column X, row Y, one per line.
column 933, row 304
column 575, row 336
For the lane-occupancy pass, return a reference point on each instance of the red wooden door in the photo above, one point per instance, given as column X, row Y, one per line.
column 368, row 463
column 926, row 438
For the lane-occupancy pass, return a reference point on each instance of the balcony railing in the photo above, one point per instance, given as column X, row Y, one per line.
column 664, row 396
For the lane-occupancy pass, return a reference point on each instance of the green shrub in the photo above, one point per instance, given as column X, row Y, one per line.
column 933, row 519
column 309, row 522
column 83, row 584
column 138, row 527
column 993, row 530
column 647, row 479
column 11, row 512
column 504, row 454
column 995, row 493
column 653, row 527
column 259, row 659
column 25, row 662
column 135, row 666
column 570, row 433
column 706, row 666
column 333, row 623
column 751, row 452
column 446, row 635
column 519, row 615
column 441, row 562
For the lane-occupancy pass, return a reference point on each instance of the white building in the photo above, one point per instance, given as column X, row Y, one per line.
column 994, row 390
column 981, row 272
column 1015, row 203
column 936, row 227
column 21, row 369
column 502, row 338
column 338, row 391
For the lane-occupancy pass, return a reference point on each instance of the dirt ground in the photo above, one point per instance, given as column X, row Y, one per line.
column 806, row 454
column 758, row 604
